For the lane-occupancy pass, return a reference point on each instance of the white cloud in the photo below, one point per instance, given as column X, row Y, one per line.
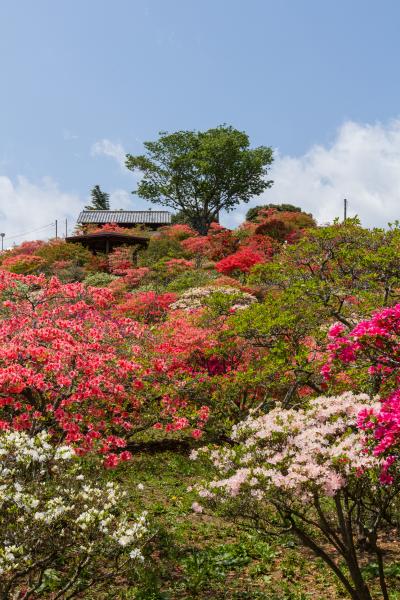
column 28, row 210
column 362, row 164
column 114, row 150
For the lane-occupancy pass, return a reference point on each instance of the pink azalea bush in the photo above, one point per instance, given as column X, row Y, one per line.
column 309, row 471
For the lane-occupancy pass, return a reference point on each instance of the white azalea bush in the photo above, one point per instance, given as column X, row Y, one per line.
column 198, row 297
column 308, row 472
column 60, row 531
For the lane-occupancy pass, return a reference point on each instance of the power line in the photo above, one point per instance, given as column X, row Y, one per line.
column 13, row 237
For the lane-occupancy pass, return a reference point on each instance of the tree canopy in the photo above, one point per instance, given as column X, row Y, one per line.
column 201, row 173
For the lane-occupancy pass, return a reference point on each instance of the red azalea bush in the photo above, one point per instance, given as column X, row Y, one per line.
column 179, row 231
column 217, row 244
column 120, row 260
column 66, row 363
column 196, row 245
column 29, row 247
column 134, row 277
column 147, row 306
column 241, row 261
column 22, row 263
column 109, row 228
column 261, row 244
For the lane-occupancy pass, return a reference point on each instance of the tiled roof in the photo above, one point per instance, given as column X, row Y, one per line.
column 125, row 217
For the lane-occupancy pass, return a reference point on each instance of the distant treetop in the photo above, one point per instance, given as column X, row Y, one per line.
column 99, row 200
column 253, row 212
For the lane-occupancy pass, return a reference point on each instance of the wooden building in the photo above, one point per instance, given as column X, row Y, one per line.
column 150, row 219
column 106, row 241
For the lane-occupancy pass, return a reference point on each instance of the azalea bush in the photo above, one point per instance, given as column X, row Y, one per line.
column 23, row 263
column 62, row 529
column 149, row 306
column 70, row 365
column 66, row 363
column 308, row 472
column 239, row 262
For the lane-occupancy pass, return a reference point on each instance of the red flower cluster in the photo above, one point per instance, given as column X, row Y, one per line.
column 66, row 364
column 241, row 261
column 147, row 306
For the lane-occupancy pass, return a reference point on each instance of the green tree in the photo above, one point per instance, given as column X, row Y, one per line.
column 201, row 173
column 99, row 200
column 180, row 218
column 341, row 272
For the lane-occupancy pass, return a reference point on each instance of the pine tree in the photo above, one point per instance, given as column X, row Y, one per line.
column 100, row 200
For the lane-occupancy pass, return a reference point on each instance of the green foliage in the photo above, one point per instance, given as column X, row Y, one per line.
column 333, row 264
column 99, row 279
column 337, row 273
column 159, row 248
column 180, row 218
column 99, row 200
column 58, row 250
column 190, row 279
column 201, row 173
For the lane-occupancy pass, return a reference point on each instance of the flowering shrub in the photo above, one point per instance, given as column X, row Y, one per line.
column 23, row 263
column 217, row 244
column 282, row 225
column 373, row 348
column 286, row 464
column 113, row 228
column 260, row 244
column 58, row 249
column 147, row 306
column 61, row 532
column 66, row 364
column 241, row 261
column 179, row 231
column 120, row 260
column 196, row 245
column 177, row 265
column 30, row 247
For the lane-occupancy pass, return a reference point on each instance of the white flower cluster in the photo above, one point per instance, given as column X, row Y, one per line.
column 51, row 510
column 295, row 452
column 195, row 298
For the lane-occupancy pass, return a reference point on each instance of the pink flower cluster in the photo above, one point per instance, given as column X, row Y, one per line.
column 373, row 345
column 300, row 453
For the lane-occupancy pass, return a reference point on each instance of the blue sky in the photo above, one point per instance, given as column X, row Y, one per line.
column 84, row 81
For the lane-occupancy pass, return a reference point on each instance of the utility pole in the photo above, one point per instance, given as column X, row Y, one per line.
column 66, row 228
column 56, row 229
column 345, row 209
column 2, row 241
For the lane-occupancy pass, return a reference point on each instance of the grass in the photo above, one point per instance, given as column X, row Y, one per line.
column 201, row 556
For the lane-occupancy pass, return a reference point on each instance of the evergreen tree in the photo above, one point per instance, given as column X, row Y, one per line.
column 99, row 200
